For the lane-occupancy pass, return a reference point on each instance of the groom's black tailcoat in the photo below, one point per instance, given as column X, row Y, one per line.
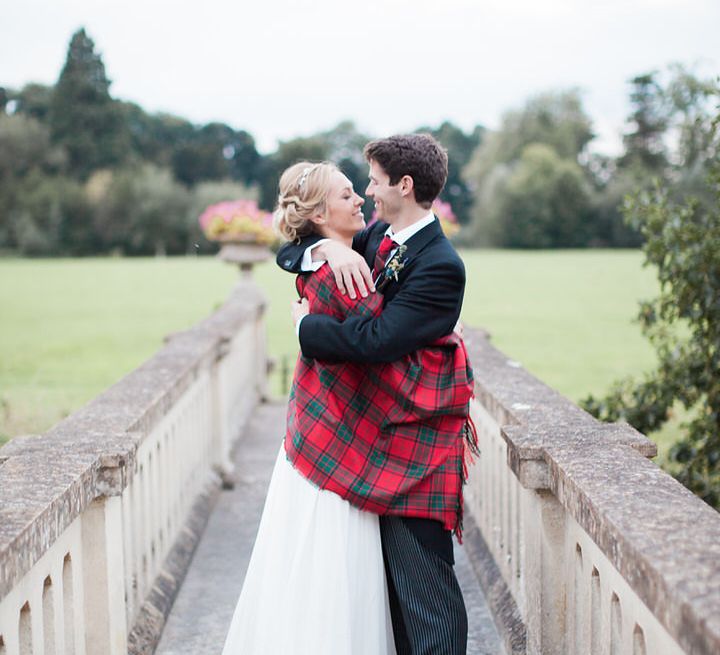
column 422, row 305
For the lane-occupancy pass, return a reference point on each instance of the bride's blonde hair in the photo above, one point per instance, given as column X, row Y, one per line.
column 304, row 188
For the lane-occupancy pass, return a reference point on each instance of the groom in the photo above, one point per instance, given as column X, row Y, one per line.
column 422, row 280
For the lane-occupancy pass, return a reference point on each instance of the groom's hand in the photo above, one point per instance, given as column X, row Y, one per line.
column 299, row 309
column 349, row 268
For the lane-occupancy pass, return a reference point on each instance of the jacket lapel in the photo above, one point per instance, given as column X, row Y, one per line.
column 414, row 246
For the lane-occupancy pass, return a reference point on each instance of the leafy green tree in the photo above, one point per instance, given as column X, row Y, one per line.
column 139, row 211
column 683, row 323
column 33, row 100
column 691, row 103
column 314, row 148
column 669, row 138
column 24, row 145
column 24, row 149
column 158, row 221
column 83, row 116
column 213, row 152
column 542, row 201
column 557, row 122
column 50, row 217
column 460, row 147
column 556, row 119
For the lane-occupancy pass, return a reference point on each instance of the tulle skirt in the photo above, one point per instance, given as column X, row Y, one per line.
column 316, row 582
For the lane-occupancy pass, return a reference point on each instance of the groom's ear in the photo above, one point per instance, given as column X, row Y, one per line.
column 406, row 185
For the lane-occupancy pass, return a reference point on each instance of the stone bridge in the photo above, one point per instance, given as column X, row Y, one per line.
column 120, row 530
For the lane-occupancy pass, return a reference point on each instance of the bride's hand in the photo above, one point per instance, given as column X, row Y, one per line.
column 299, row 309
column 349, row 267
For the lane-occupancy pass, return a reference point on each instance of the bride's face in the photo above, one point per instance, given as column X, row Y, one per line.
column 343, row 212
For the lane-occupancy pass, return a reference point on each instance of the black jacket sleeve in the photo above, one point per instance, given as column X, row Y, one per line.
column 290, row 255
column 426, row 307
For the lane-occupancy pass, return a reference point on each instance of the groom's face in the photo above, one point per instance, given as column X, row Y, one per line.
column 388, row 199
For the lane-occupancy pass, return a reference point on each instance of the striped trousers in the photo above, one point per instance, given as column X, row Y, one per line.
column 426, row 604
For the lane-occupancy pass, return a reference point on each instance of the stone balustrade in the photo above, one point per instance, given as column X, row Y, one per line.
column 99, row 516
column 583, row 545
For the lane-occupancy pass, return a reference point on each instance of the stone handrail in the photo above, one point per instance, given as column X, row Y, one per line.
column 583, row 545
column 100, row 515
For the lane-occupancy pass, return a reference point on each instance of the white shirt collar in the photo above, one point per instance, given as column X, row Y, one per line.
column 411, row 230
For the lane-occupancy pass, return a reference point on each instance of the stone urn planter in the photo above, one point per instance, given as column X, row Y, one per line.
column 244, row 253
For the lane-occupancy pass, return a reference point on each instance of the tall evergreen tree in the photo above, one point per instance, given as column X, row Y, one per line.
column 83, row 116
column 644, row 144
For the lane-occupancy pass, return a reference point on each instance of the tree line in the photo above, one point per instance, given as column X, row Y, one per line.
column 84, row 173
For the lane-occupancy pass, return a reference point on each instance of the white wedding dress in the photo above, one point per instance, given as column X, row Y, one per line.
column 316, row 582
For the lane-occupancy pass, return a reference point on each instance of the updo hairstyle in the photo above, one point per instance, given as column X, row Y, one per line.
column 303, row 193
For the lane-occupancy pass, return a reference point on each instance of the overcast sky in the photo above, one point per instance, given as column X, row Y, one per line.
column 285, row 68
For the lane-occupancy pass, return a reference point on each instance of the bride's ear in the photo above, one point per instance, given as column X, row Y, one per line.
column 318, row 219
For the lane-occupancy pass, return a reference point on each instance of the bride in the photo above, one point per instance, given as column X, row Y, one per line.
column 316, row 582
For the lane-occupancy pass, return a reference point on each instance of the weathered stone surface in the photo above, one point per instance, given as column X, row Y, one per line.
column 659, row 536
column 507, row 618
column 48, row 480
column 145, row 634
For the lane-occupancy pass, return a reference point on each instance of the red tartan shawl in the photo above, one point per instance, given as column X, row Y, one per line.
column 388, row 438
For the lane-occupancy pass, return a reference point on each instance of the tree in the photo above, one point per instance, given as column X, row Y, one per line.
column 314, row 148
column 83, row 116
column 51, row 216
column 214, row 152
column 24, row 149
column 541, row 201
column 644, row 145
column 33, row 100
column 555, row 121
column 460, row 147
column 158, row 223
column 139, row 211
column 683, row 324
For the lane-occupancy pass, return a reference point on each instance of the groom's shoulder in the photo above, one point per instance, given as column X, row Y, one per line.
column 443, row 250
column 444, row 260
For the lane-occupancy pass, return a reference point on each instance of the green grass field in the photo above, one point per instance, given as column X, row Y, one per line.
column 72, row 327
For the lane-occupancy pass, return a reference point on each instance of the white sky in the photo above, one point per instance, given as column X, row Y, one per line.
column 286, row 68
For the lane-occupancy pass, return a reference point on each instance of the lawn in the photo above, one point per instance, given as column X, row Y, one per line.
column 72, row 327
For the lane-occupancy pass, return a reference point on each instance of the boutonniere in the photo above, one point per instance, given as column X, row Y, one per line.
column 393, row 267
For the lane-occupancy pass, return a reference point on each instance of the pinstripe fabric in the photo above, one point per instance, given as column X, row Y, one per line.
column 427, row 607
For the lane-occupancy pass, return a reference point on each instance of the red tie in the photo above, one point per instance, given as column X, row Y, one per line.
column 382, row 254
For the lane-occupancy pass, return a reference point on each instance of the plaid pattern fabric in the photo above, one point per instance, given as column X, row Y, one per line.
column 389, row 438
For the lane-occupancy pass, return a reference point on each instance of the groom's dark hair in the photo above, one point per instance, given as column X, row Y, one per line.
column 417, row 155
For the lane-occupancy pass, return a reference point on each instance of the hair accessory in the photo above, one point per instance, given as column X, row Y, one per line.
column 304, row 176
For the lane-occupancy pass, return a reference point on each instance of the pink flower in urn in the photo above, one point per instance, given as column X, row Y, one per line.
column 237, row 220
